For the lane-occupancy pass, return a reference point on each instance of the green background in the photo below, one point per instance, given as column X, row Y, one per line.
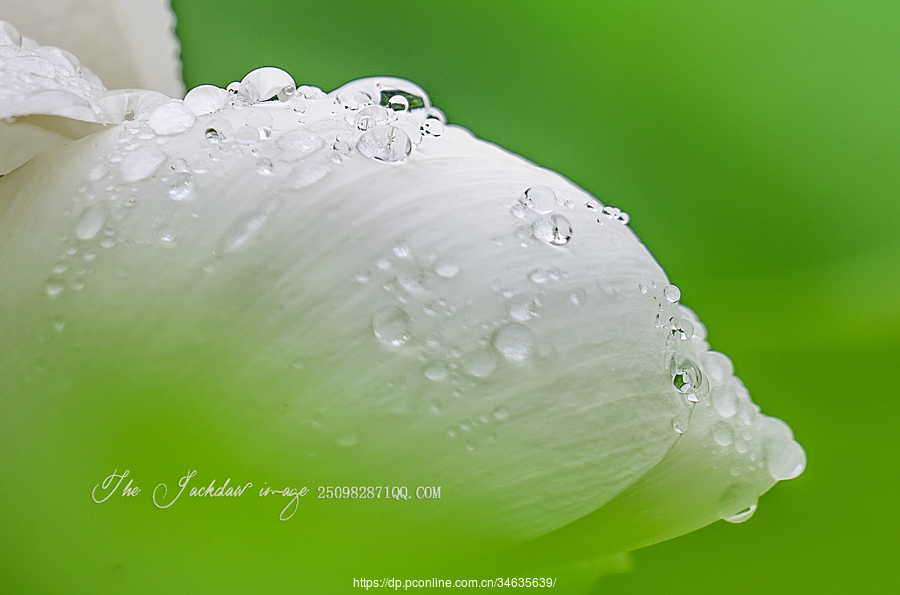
column 756, row 147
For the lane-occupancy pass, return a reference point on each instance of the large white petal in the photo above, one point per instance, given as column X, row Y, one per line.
column 129, row 44
column 383, row 301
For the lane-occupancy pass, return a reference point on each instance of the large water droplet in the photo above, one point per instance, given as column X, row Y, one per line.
column 205, row 99
column 141, row 163
column 785, row 458
column 737, row 503
column 392, row 326
column 514, row 341
column 264, row 83
column 91, row 221
column 539, row 199
column 385, row 143
column 554, row 229
column 686, row 376
column 672, row 293
column 172, row 117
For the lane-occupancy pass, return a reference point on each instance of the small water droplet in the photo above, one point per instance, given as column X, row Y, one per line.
column 362, row 276
column 524, row 307
column 540, row 199
column 432, row 126
column 554, row 229
column 514, row 341
column 680, row 424
column 180, row 186
column 91, row 222
column 392, row 326
column 740, row 445
column 500, row 413
column 436, row 371
column 401, row 250
column 737, row 503
column 725, row 401
column 246, row 136
column 672, row 293
column 480, row 363
column 54, row 288
column 446, row 267
column 286, row 93
column 578, row 296
column 264, row 166
column 686, row 377
column 785, row 458
column 385, row 143
column 141, row 163
column 722, row 433
column 538, row 276
column 297, row 144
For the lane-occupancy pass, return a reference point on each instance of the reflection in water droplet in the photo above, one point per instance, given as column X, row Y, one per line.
column 554, row 229
column 539, row 199
column 680, row 424
column 737, row 503
column 392, row 326
column 432, row 126
column 785, row 458
column 722, row 433
column 514, row 341
column 686, row 377
column 91, row 221
column 385, row 143
column 264, row 83
column 398, row 103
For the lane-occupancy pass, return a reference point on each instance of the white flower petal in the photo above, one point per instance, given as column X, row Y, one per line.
column 296, row 251
column 127, row 43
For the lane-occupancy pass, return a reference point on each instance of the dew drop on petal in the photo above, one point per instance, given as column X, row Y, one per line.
column 398, row 103
column 554, row 229
column 205, row 99
column 91, row 221
column 725, row 401
column 785, row 458
column 436, row 371
column 680, row 424
column 172, row 117
column 722, row 433
column 297, row 144
column 686, row 377
column 264, row 83
column 180, row 186
column 141, row 163
column 392, row 326
column 246, row 135
column 385, row 143
column 264, row 166
column 433, row 127
column 480, row 363
column 446, row 267
column 540, row 199
column 737, row 503
column 514, row 341
column 672, row 293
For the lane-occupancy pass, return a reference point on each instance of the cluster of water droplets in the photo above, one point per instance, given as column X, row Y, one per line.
column 749, row 447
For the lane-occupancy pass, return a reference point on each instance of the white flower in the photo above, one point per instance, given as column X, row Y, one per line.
column 340, row 286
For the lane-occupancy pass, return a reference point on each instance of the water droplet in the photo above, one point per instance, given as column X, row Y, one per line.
column 722, row 433
column 401, row 250
column 480, row 363
column 172, row 117
column 246, row 135
column 141, row 163
column 500, row 413
column 264, row 83
column 258, row 117
column 180, row 186
column 205, row 99
column 91, row 221
column 385, row 143
column 554, row 229
column 737, row 503
column 538, row 276
column 286, row 93
column 578, row 296
column 686, row 377
column 60, row 268
column 524, row 307
column 514, row 341
column 740, row 445
column 392, row 326
column 167, row 235
column 680, row 424
column 446, row 267
column 297, row 144
column 264, row 166
column 672, row 293
column 398, row 103
column 725, row 401
column 785, row 458
column 436, row 371
column 54, row 287
column 539, row 199
column 9, row 35
column 432, row 126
